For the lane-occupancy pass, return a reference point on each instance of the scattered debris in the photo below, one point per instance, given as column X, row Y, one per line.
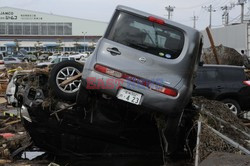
column 221, row 130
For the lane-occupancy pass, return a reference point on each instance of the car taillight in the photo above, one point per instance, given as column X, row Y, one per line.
column 164, row 90
column 247, row 82
column 158, row 88
column 156, row 20
column 1, row 62
column 108, row 71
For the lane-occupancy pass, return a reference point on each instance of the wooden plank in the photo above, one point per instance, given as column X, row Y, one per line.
column 212, row 45
column 66, row 82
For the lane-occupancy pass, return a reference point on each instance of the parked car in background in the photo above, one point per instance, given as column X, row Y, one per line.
column 18, row 55
column 30, row 58
column 2, row 66
column 11, row 60
column 84, row 58
column 77, row 56
column 54, row 56
column 225, row 83
column 43, row 57
column 55, row 61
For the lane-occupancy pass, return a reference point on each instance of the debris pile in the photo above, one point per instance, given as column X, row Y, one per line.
column 221, row 130
column 12, row 136
column 226, row 56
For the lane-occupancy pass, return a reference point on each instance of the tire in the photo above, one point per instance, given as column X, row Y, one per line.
column 61, row 72
column 233, row 105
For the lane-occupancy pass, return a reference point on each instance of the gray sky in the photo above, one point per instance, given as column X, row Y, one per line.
column 102, row 10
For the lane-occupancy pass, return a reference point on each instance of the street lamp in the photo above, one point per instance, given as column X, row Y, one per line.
column 84, row 34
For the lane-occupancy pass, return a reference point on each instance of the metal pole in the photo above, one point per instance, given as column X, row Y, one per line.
column 242, row 12
column 84, row 42
column 210, row 17
column 197, row 144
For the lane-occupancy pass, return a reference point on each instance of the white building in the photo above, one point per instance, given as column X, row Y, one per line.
column 35, row 30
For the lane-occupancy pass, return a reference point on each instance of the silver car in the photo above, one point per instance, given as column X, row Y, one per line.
column 144, row 60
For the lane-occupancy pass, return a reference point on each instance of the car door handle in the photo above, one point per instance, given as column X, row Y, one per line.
column 114, row 51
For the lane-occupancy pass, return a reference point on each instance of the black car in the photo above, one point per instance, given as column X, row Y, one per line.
column 225, row 83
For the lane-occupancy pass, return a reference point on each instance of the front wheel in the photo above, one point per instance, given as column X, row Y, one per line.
column 233, row 105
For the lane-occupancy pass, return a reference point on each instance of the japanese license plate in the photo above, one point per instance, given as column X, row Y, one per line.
column 129, row 96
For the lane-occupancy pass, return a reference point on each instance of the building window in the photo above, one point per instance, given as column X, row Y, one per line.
column 34, row 29
column 18, row 28
column 2, row 28
column 26, row 29
column 10, row 28
column 30, row 28
column 67, row 28
column 51, row 28
column 44, row 29
column 59, row 28
column 2, row 48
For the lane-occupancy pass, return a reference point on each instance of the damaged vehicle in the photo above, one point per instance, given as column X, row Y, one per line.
column 134, row 95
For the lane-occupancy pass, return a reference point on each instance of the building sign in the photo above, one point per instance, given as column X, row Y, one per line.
column 30, row 17
column 8, row 15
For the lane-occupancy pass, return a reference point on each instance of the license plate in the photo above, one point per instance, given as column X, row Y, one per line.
column 129, row 96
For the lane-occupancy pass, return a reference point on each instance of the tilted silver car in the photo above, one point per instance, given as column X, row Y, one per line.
column 144, row 60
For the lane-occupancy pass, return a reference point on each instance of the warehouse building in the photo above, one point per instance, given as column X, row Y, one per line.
column 34, row 31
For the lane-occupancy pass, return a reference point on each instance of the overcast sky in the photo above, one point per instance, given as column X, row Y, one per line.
column 102, row 10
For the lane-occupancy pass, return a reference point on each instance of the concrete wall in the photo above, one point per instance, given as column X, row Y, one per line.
column 234, row 36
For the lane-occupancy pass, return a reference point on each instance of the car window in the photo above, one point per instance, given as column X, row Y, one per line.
column 57, row 60
column 232, row 74
column 207, row 75
column 12, row 59
column 142, row 34
column 64, row 59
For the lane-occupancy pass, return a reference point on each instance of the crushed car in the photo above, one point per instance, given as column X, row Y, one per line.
column 133, row 96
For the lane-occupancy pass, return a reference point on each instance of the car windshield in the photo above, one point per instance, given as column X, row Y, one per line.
column 142, row 34
column 57, row 60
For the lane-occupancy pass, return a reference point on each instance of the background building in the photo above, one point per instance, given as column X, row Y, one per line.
column 34, row 31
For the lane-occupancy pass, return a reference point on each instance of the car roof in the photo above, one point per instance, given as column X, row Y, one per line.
column 145, row 14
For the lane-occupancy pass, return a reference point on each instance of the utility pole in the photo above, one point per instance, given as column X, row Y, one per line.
column 225, row 14
column 210, row 10
column 194, row 18
column 170, row 10
column 241, row 3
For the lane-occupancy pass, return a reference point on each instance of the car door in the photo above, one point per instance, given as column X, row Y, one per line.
column 139, row 47
column 208, row 83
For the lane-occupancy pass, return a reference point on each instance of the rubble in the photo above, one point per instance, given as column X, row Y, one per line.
column 211, row 114
column 216, row 115
column 226, row 56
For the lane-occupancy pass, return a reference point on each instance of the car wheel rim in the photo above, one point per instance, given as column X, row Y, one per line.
column 232, row 107
column 67, row 73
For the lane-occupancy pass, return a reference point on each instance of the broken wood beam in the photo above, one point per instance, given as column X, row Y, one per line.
column 66, row 82
column 210, row 37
